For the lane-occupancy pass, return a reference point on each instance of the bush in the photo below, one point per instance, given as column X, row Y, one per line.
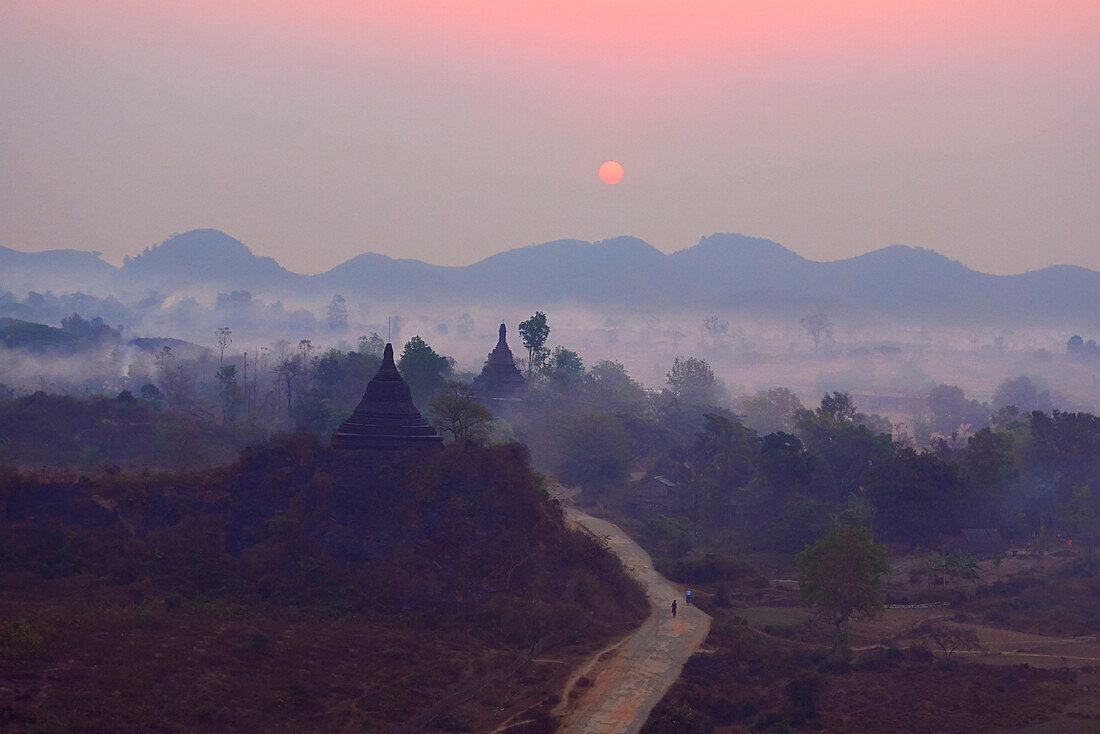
column 713, row 568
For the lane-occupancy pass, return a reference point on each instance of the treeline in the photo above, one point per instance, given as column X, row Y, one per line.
column 1032, row 477
column 773, row 474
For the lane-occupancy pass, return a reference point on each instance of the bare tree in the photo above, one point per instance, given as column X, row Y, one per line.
column 174, row 378
column 715, row 329
column 293, row 365
column 818, row 326
column 949, row 638
column 223, row 337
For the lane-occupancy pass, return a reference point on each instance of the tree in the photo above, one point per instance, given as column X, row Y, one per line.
column 373, row 345
column 839, row 406
column 772, row 410
column 951, row 411
column 593, row 449
column 223, row 337
column 962, row 565
column 723, row 456
column 782, row 466
column 1022, row 393
column 1065, row 456
column 845, row 449
column 88, row 333
column 455, row 413
column 227, row 376
column 292, row 365
column 1083, row 516
column 423, row 369
column 535, row 331
column 612, row 387
column 565, row 368
column 691, row 380
column 989, row 468
column 917, row 496
column 338, row 313
column 949, row 638
column 716, row 330
column 818, row 326
column 842, row 574
column 173, row 377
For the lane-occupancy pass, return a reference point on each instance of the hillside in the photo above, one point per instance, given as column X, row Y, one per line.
column 204, row 258
column 53, row 270
column 297, row 590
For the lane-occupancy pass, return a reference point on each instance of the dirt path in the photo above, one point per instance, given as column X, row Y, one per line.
column 1000, row 646
column 628, row 678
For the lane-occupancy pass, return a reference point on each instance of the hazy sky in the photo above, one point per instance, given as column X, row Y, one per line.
column 448, row 131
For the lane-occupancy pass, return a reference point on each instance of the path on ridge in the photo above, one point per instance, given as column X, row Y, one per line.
column 633, row 674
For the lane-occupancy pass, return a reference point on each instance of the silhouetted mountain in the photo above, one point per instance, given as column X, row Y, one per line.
column 380, row 276
column 209, row 259
column 721, row 272
column 609, row 271
column 52, row 270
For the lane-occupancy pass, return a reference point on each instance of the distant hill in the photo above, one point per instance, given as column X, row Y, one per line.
column 19, row 334
column 722, row 272
column 205, row 258
column 53, row 270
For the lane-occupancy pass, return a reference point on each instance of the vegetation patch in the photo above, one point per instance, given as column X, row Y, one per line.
column 298, row 589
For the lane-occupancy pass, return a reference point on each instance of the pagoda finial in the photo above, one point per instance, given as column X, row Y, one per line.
column 502, row 340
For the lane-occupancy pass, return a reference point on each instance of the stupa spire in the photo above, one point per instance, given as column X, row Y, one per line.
column 386, row 418
column 500, row 378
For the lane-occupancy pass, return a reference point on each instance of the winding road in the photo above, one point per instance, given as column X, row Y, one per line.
column 628, row 678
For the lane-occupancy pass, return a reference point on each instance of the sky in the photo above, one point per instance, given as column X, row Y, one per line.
column 450, row 131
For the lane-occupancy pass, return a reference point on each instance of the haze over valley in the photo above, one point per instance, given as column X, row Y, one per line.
column 894, row 322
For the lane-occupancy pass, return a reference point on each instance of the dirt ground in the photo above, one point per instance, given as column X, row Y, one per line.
column 627, row 680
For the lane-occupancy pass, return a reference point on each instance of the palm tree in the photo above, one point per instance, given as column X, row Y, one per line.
column 936, row 565
column 961, row 564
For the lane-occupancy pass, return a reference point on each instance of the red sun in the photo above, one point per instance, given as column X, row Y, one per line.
column 611, row 172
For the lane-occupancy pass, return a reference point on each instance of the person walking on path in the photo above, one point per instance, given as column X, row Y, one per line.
column 674, row 608
column 689, row 596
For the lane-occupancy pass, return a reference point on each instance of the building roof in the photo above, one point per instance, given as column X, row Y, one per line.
column 653, row 487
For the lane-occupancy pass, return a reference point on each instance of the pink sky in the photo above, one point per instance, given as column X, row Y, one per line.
column 450, row 131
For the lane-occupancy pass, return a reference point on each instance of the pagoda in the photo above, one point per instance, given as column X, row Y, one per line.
column 500, row 379
column 386, row 419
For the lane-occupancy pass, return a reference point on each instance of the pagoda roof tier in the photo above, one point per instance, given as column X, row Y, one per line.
column 500, row 378
column 386, row 418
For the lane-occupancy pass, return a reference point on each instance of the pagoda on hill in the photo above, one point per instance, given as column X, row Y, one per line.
column 386, row 419
column 500, row 379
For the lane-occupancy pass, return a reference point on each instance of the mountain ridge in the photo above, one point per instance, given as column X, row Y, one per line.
column 722, row 271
